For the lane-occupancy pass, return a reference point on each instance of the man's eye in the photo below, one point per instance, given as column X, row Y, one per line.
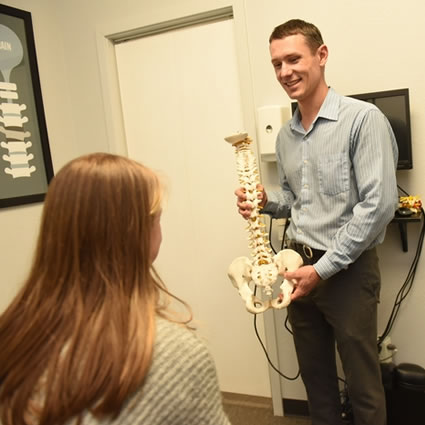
column 294, row 60
column 277, row 65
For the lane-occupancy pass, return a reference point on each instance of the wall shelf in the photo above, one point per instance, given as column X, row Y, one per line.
column 402, row 225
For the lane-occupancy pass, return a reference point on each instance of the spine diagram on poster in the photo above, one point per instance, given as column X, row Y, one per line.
column 14, row 137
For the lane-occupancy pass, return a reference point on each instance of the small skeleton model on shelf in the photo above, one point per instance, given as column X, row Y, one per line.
column 263, row 269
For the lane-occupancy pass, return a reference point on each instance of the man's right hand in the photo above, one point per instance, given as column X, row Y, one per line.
column 244, row 207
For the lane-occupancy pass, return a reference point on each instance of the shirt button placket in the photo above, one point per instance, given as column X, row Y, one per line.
column 305, row 183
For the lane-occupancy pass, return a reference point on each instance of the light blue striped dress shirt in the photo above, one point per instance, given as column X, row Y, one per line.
column 338, row 178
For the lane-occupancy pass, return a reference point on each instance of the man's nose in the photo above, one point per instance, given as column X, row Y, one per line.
column 284, row 71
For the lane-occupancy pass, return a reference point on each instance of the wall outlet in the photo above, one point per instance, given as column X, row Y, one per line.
column 388, row 349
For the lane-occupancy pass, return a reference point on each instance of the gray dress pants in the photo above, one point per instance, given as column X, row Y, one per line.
column 341, row 310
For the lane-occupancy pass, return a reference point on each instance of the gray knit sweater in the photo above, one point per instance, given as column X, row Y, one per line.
column 181, row 387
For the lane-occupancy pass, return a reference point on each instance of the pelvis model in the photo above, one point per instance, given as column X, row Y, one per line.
column 263, row 270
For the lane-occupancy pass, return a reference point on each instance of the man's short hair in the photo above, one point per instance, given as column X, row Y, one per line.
column 298, row 26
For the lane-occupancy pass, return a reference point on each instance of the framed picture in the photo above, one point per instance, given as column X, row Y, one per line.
column 25, row 161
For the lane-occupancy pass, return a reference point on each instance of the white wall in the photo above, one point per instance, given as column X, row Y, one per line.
column 373, row 46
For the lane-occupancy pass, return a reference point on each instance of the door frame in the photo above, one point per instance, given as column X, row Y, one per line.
column 115, row 32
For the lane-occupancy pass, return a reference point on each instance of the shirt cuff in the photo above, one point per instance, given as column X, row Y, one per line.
column 275, row 207
column 325, row 268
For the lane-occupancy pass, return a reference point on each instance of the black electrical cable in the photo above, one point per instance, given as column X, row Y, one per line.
column 287, row 223
column 281, row 247
column 347, row 412
column 255, row 320
column 267, row 354
column 343, row 392
column 402, row 294
column 404, row 290
column 408, row 283
column 270, row 236
column 286, row 325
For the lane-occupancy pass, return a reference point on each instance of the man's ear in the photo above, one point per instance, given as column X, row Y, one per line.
column 322, row 52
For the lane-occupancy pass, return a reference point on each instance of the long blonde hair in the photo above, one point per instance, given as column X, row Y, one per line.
column 81, row 330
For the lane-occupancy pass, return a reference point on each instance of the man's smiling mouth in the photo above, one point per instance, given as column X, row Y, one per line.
column 292, row 83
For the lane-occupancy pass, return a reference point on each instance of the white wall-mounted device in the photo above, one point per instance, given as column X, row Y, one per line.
column 270, row 119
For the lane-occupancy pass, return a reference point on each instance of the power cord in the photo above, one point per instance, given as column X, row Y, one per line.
column 346, row 412
column 286, row 320
column 347, row 415
column 289, row 378
column 344, row 391
column 408, row 283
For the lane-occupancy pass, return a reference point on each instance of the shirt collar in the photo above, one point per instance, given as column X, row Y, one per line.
column 330, row 106
column 329, row 110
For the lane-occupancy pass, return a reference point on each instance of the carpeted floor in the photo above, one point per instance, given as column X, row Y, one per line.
column 252, row 410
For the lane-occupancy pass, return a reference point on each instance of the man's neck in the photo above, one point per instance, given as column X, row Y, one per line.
column 310, row 107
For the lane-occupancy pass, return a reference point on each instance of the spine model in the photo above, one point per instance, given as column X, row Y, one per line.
column 264, row 267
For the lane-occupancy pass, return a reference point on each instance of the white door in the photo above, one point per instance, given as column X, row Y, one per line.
column 180, row 98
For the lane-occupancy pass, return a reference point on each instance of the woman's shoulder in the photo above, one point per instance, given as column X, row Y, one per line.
column 175, row 339
column 181, row 386
column 180, row 355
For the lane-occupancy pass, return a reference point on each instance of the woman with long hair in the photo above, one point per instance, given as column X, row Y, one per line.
column 90, row 337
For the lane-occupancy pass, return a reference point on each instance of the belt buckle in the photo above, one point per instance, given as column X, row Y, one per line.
column 308, row 252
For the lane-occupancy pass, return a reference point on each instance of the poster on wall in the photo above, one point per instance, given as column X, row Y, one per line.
column 25, row 161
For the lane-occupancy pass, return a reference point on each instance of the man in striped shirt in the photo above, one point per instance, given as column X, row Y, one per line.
column 336, row 161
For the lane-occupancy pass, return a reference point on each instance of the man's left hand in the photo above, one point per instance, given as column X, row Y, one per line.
column 305, row 278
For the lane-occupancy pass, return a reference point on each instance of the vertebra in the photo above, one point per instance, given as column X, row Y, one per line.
column 264, row 268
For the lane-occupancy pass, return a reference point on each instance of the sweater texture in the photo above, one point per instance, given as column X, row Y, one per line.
column 181, row 387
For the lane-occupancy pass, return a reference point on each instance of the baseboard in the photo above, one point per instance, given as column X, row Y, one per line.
column 237, row 399
column 292, row 407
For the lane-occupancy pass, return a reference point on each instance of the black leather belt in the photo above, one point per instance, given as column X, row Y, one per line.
column 309, row 255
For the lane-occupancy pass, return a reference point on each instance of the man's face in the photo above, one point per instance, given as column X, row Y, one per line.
column 298, row 70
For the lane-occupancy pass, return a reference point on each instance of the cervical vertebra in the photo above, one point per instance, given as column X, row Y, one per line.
column 264, row 267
